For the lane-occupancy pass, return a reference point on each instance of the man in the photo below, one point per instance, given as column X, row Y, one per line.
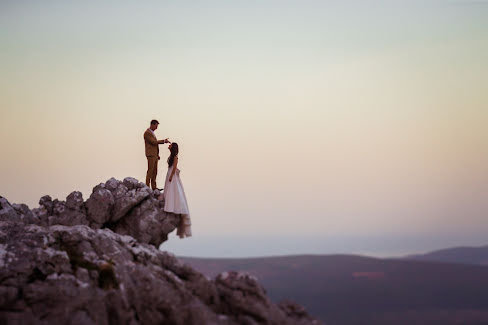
column 152, row 153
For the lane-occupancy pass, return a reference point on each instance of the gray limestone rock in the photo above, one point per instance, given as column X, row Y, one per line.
column 127, row 207
column 97, row 262
column 127, row 200
column 75, row 201
column 99, row 205
column 7, row 211
column 132, row 183
column 80, row 275
column 47, row 202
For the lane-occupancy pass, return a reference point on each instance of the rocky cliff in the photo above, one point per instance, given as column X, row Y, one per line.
column 97, row 262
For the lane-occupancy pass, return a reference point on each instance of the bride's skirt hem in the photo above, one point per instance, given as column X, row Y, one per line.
column 184, row 228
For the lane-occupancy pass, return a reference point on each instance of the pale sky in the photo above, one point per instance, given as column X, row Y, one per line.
column 294, row 118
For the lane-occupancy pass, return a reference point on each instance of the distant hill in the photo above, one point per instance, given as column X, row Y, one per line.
column 467, row 255
column 348, row 289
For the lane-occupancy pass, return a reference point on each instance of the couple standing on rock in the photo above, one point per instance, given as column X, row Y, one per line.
column 173, row 193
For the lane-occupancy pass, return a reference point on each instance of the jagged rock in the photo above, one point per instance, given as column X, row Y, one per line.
column 127, row 207
column 47, row 202
column 80, row 275
column 131, row 208
column 25, row 213
column 112, row 184
column 7, row 211
column 242, row 295
column 148, row 222
column 77, row 262
column 125, row 202
column 75, row 201
column 99, row 206
column 294, row 311
column 132, row 183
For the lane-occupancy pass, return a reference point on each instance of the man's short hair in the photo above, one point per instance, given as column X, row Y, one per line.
column 153, row 122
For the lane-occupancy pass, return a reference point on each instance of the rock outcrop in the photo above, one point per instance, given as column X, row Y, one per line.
column 126, row 207
column 95, row 262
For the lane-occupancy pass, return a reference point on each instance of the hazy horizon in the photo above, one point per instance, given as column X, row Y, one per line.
column 386, row 246
column 364, row 122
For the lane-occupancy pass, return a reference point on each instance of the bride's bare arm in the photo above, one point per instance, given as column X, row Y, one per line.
column 175, row 165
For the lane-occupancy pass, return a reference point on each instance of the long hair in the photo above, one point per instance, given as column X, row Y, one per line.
column 174, row 153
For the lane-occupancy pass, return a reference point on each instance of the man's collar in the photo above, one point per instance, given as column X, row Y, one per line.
column 153, row 133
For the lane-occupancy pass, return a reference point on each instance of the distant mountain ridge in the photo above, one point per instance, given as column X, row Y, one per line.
column 463, row 254
column 350, row 289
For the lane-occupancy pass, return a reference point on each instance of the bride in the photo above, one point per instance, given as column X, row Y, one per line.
column 174, row 194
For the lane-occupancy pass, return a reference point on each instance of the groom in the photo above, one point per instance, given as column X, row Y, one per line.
column 152, row 153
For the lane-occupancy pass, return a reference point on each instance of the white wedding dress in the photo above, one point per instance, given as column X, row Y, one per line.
column 175, row 202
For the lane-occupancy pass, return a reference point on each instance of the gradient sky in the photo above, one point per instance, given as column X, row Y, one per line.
column 303, row 119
